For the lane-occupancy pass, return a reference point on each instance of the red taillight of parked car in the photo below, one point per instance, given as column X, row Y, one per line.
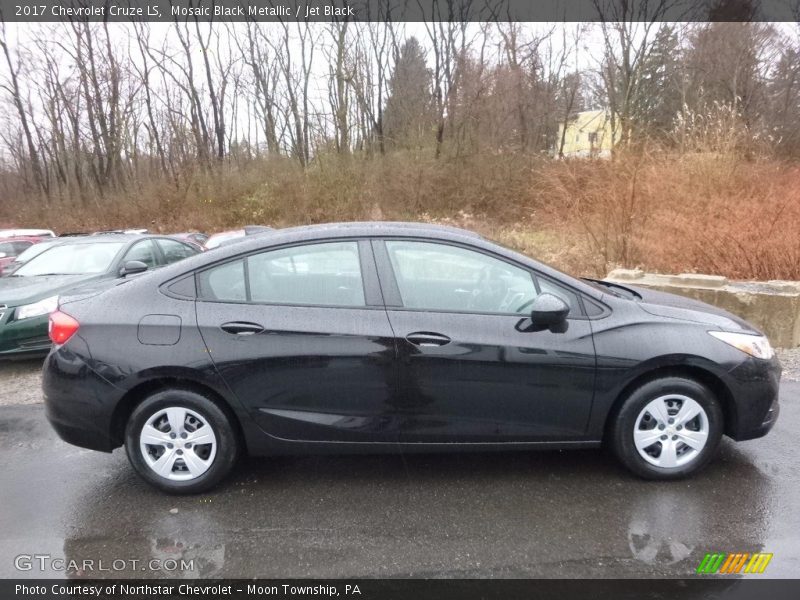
column 62, row 327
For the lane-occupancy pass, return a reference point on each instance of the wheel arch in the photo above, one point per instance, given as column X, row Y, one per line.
column 137, row 394
column 688, row 370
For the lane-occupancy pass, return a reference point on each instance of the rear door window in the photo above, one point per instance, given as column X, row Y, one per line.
column 325, row 274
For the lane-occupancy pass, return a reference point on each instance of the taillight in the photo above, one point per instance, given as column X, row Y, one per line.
column 62, row 327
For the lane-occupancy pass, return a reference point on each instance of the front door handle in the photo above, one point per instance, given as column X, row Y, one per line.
column 241, row 328
column 427, row 339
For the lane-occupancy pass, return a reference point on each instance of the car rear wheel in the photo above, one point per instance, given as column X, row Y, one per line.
column 668, row 428
column 180, row 441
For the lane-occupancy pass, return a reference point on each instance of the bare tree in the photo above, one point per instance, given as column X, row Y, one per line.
column 12, row 87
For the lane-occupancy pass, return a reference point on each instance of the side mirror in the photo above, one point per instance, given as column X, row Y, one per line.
column 132, row 267
column 548, row 310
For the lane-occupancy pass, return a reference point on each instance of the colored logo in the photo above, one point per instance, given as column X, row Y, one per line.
column 731, row 564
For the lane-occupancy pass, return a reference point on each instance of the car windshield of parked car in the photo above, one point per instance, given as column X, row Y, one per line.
column 32, row 251
column 72, row 259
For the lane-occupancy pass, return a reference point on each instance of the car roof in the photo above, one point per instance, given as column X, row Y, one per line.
column 101, row 238
column 22, row 238
column 380, row 228
column 112, row 237
column 366, row 229
column 6, row 233
column 344, row 230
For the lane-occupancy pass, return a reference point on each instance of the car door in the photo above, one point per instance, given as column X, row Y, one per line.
column 301, row 337
column 471, row 367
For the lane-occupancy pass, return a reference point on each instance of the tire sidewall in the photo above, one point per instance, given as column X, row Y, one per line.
column 227, row 443
column 625, row 422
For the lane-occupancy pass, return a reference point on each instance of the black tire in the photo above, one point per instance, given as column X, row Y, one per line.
column 227, row 444
column 624, row 423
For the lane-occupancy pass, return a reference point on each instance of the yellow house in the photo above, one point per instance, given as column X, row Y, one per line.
column 589, row 135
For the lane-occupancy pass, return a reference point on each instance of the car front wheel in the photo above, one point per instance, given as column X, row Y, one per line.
column 668, row 428
column 180, row 441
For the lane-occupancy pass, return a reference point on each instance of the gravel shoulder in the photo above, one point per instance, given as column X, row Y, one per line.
column 790, row 360
column 21, row 381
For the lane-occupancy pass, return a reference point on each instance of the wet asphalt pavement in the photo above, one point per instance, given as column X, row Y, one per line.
column 546, row 514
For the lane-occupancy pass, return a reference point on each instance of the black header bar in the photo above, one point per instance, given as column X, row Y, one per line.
column 720, row 588
column 399, row 10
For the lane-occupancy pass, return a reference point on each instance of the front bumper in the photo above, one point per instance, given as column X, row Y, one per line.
column 754, row 387
column 23, row 338
column 78, row 402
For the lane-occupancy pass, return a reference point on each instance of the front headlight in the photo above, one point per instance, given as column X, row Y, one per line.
column 37, row 309
column 754, row 345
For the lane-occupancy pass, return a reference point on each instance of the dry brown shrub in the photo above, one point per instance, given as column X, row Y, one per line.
column 696, row 213
column 702, row 212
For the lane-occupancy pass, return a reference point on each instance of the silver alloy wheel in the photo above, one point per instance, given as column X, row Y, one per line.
column 671, row 431
column 177, row 443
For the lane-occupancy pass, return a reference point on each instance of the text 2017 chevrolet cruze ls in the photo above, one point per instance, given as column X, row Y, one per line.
column 396, row 337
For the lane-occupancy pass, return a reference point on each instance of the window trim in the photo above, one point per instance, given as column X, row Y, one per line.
column 394, row 300
column 369, row 281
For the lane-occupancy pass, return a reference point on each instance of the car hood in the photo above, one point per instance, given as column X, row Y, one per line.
column 672, row 306
column 15, row 291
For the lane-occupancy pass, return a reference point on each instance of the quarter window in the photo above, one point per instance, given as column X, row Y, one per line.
column 434, row 276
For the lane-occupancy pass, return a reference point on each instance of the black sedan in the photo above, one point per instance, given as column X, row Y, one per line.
column 396, row 337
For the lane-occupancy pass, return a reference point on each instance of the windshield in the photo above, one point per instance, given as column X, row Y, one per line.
column 34, row 250
column 72, row 259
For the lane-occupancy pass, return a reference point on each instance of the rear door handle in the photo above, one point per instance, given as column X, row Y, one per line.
column 241, row 328
column 427, row 339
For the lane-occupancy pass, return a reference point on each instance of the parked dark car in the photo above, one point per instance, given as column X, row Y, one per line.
column 66, row 266
column 402, row 337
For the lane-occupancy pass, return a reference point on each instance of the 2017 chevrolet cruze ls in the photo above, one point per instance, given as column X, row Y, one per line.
column 396, row 337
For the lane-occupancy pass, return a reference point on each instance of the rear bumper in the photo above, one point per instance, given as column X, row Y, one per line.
column 79, row 403
column 754, row 385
